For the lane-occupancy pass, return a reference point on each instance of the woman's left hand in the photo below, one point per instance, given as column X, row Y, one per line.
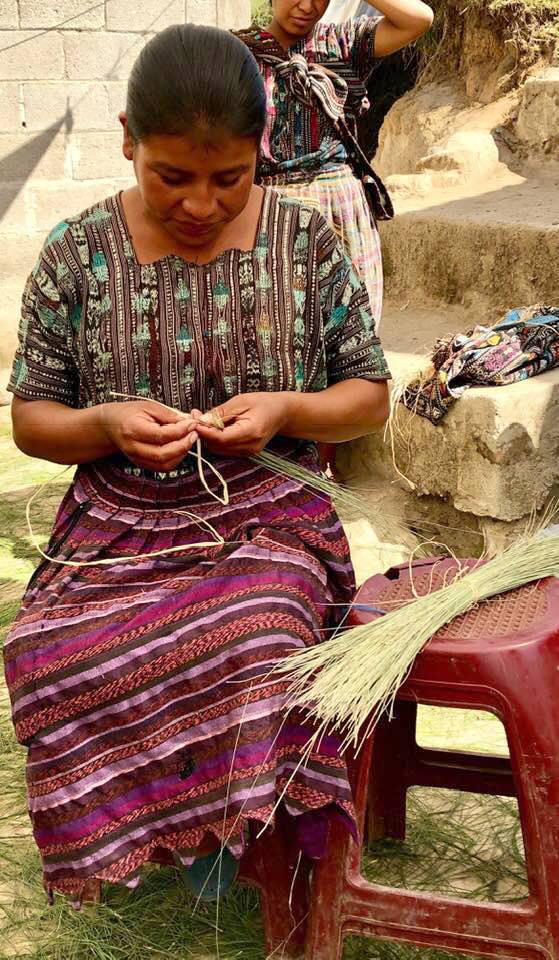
column 251, row 420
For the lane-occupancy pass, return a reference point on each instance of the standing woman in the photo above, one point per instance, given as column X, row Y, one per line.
column 139, row 664
column 308, row 150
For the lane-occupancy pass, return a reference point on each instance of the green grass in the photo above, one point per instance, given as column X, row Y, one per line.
column 260, row 12
column 456, row 844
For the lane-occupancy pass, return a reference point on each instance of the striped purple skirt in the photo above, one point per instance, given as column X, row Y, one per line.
column 142, row 689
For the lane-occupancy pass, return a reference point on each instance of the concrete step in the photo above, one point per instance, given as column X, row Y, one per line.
column 495, row 455
column 492, row 248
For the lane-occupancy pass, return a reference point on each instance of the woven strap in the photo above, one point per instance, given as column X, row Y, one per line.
column 313, row 85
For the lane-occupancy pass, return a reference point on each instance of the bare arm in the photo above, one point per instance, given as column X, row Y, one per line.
column 344, row 411
column 53, row 431
column 147, row 433
column 403, row 22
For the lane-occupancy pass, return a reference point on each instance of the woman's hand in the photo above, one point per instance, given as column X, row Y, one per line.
column 251, row 420
column 150, row 435
column 342, row 412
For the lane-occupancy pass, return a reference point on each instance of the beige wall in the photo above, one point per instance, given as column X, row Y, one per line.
column 63, row 70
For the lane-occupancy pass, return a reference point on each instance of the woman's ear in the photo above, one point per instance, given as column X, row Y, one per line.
column 127, row 141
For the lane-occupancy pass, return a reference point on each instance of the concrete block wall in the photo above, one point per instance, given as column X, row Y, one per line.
column 63, row 72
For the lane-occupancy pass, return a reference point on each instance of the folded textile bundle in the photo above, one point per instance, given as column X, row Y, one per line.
column 524, row 343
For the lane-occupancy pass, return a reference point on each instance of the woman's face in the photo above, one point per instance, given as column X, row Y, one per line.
column 193, row 185
column 298, row 17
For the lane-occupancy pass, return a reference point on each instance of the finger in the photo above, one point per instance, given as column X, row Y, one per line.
column 171, row 432
column 157, row 457
column 142, row 431
column 145, row 430
column 215, row 418
column 163, row 414
column 236, row 432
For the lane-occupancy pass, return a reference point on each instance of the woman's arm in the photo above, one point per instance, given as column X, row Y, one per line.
column 344, row 411
column 403, row 21
column 149, row 434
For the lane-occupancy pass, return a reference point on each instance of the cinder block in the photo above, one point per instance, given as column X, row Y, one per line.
column 8, row 15
column 29, row 55
column 101, row 56
column 62, row 14
column 19, row 255
column 9, row 318
column 116, row 94
column 233, row 14
column 144, row 15
column 50, row 203
column 14, row 216
column 44, row 102
column 11, row 115
column 98, row 155
column 23, row 156
column 201, row 11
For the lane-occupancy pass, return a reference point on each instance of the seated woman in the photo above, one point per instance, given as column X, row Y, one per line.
column 139, row 664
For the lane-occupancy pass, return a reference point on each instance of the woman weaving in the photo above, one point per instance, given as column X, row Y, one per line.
column 141, row 688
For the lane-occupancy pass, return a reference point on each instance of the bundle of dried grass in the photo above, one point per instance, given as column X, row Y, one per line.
column 348, row 681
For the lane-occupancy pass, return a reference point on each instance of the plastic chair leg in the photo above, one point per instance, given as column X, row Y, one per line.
column 324, row 933
column 394, row 745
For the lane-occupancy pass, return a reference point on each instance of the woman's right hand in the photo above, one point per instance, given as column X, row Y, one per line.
column 149, row 434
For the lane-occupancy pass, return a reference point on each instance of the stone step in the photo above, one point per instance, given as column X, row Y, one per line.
column 488, row 250
column 496, row 453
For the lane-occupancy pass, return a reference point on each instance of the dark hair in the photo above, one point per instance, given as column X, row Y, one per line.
column 189, row 76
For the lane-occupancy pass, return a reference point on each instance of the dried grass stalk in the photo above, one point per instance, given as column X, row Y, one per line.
column 348, row 681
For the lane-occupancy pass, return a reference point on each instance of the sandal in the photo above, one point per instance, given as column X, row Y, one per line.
column 210, row 881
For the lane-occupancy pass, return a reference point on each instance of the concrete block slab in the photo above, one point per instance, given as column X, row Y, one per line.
column 233, row 14
column 144, row 15
column 24, row 155
column 14, row 217
column 46, row 101
column 103, row 56
column 8, row 15
column 202, row 11
column 51, row 202
column 62, row 14
column 11, row 110
column 98, row 155
column 32, row 55
column 496, row 453
column 116, row 95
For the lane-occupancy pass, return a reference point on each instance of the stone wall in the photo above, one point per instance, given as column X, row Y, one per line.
column 63, row 71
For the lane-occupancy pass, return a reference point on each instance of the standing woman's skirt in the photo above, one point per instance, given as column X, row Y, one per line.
column 143, row 690
column 341, row 199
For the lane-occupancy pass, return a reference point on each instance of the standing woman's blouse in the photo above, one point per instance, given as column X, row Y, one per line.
column 290, row 314
column 300, row 142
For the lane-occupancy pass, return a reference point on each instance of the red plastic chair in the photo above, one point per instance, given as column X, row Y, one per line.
column 501, row 657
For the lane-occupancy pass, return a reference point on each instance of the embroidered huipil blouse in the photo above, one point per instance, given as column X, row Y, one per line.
column 299, row 142
column 291, row 314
